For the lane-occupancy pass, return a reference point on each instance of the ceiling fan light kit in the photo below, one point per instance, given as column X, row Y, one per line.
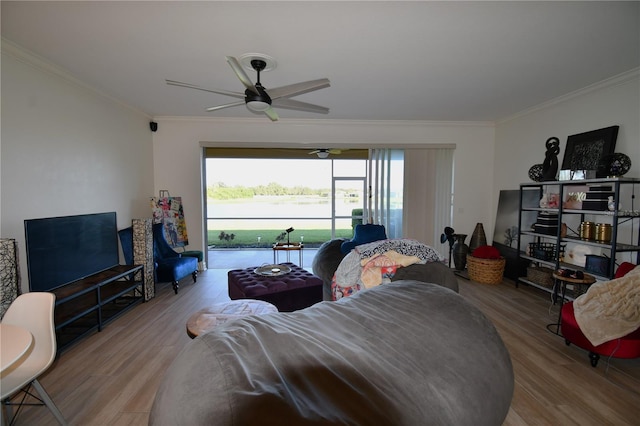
column 324, row 152
column 256, row 97
column 258, row 106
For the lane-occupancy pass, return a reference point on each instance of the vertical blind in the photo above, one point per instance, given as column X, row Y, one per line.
column 386, row 183
column 428, row 174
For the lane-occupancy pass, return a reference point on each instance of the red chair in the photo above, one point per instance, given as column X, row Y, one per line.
column 623, row 347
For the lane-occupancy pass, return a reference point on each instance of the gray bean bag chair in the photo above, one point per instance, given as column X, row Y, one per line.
column 325, row 263
column 404, row 353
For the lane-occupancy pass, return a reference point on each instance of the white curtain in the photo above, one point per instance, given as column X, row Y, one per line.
column 428, row 194
column 443, row 208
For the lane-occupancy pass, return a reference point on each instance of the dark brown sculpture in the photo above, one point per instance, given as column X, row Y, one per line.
column 550, row 165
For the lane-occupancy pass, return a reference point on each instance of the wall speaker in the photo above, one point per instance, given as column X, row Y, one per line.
column 153, row 126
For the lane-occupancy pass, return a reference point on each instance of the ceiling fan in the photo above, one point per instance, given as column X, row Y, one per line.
column 324, row 152
column 256, row 97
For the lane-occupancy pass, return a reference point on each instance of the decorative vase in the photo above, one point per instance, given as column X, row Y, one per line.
column 544, row 201
column 460, row 251
column 478, row 238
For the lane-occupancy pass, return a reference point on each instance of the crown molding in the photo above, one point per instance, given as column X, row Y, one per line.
column 327, row 122
column 21, row 54
column 616, row 80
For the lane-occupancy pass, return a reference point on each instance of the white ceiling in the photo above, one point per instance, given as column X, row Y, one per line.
column 393, row 60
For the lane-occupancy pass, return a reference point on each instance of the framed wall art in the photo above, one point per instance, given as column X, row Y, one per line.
column 169, row 211
column 585, row 151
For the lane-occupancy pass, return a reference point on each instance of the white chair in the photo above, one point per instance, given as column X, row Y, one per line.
column 33, row 311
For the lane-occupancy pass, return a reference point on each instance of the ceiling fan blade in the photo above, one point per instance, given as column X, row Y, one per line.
column 244, row 78
column 299, row 106
column 271, row 113
column 216, row 108
column 298, row 88
column 193, row 86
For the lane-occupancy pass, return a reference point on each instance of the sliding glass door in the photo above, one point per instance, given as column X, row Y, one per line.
column 348, row 202
column 253, row 195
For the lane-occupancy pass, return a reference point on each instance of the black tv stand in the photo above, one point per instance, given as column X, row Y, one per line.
column 89, row 303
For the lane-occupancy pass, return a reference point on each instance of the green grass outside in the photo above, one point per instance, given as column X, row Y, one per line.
column 249, row 237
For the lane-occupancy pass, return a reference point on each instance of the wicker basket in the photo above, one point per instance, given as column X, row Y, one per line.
column 540, row 275
column 485, row 271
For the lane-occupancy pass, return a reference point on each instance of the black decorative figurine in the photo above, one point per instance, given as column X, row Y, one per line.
column 288, row 231
column 550, row 165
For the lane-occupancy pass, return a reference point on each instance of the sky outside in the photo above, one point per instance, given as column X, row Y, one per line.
column 312, row 173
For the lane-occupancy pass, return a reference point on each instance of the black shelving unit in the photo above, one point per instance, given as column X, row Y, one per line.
column 626, row 217
column 88, row 304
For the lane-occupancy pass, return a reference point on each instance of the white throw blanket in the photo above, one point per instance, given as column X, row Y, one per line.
column 363, row 266
column 610, row 309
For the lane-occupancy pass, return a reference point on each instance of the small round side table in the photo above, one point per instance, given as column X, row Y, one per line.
column 586, row 280
column 208, row 318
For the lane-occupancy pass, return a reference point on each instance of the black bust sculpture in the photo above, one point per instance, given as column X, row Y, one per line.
column 550, row 165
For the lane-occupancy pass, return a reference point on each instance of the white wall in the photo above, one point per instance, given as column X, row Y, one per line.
column 67, row 150
column 520, row 141
column 178, row 158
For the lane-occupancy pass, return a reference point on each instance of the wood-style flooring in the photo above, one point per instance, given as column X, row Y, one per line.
column 110, row 378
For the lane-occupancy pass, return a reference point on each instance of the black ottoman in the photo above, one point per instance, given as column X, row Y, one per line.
column 296, row 290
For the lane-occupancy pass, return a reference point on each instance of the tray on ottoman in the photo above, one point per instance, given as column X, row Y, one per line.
column 289, row 292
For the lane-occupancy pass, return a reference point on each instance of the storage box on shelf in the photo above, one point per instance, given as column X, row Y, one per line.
column 597, row 197
column 581, row 219
column 540, row 275
column 546, row 251
column 547, row 223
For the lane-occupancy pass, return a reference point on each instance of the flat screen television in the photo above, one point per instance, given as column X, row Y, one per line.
column 61, row 250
